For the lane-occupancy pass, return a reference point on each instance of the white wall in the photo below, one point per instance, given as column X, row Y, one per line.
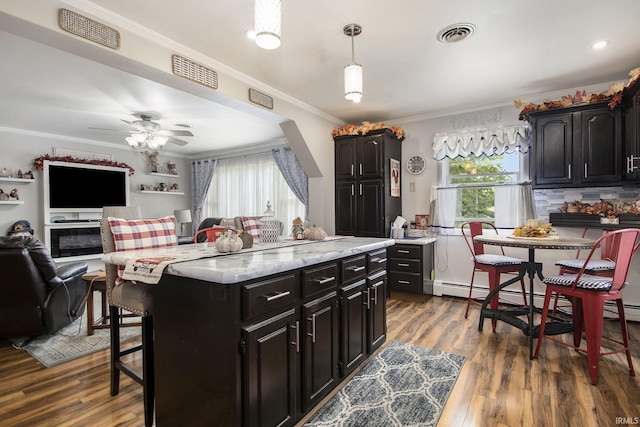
column 19, row 150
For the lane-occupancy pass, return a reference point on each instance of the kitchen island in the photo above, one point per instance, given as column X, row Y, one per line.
column 259, row 338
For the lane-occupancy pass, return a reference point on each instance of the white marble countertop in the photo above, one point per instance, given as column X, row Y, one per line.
column 416, row 240
column 262, row 261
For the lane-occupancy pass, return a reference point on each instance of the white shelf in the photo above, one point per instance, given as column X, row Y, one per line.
column 165, row 174
column 7, row 179
column 177, row 193
column 11, row 202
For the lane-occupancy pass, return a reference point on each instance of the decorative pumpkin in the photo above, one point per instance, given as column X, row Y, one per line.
column 247, row 239
column 316, row 233
column 228, row 242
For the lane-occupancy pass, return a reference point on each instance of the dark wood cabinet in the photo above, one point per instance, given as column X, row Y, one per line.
column 320, row 343
column 264, row 352
column 577, row 146
column 631, row 124
column 376, row 311
column 271, row 371
column 364, row 206
column 411, row 267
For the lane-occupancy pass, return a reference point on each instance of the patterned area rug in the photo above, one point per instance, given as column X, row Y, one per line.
column 72, row 341
column 403, row 385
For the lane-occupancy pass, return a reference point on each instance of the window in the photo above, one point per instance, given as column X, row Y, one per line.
column 475, row 178
column 241, row 186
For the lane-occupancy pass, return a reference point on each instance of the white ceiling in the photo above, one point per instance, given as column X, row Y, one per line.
column 518, row 50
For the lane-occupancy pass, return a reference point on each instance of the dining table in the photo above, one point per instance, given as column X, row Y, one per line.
column 530, row 268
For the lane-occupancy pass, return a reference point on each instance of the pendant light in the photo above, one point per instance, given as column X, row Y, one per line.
column 268, row 17
column 352, row 71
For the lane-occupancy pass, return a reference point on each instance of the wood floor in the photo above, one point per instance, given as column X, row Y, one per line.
column 498, row 385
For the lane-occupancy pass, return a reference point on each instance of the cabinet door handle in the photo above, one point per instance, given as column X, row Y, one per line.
column 353, row 189
column 585, row 170
column 356, row 269
column 368, row 303
column 375, row 292
column 402, row 264
column 361, row 189
column 403, row 251
column 569, row 171
column 351, row 169
column 404, row 282
column 360, row 168
column 297, row 341
column 312, row 319
column 325, row 280
column 277, row 295
column 379, row 260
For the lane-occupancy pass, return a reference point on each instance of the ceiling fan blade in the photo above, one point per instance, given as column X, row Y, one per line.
column 177, row 141
column 175, row 132
column 107, row 129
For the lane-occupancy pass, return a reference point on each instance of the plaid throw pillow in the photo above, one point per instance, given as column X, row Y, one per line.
column 131, row 234
column 251, row 226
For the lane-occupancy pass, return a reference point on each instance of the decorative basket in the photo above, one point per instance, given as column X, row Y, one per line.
column 269, row 230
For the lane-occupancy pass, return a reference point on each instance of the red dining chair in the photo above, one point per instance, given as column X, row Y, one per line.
column 605, row 266
column 589, row 293
column 492, row 264
column 211, row 233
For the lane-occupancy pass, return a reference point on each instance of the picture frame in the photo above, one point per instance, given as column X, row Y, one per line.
column 422, row 221
column 394, row 177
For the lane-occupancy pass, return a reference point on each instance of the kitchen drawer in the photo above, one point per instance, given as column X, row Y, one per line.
column 263, row 297
column 405, row 265
column 353, row 268
column 377, row 261
column 319, row 279
column 405, row 282
column 404, row 251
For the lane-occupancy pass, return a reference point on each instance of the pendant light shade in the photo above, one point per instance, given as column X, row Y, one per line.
column 353, row 82
column 352, row 71
column 268, row 20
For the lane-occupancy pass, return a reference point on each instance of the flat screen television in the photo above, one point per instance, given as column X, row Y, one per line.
column 83, row 187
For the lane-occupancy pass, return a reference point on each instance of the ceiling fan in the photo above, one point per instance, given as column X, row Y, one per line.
column 148, row 134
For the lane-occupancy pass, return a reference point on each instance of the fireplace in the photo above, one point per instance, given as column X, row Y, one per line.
column 75, row 241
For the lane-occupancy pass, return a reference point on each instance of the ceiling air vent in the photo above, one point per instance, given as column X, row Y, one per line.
column 193, row 71
column 88, row 29
column 455, row 33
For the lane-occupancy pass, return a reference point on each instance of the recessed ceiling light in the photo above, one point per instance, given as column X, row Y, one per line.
column 601, row 44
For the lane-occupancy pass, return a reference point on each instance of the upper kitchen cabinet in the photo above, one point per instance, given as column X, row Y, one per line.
column 577, row 146
column 631, row 122
column 364, row 205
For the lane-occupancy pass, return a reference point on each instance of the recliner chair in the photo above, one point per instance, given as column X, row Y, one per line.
column 36, row 296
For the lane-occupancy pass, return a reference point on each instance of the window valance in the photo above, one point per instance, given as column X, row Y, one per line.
column 507, row 139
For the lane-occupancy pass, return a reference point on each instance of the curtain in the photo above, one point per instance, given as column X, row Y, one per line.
column 514, row 205
column 201, row 176
column 243, row 185
column 507, row 139
column 445, row 209
column 293, row 174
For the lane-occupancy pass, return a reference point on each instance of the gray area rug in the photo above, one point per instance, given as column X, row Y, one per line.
column 72, row 341
column 403, row 385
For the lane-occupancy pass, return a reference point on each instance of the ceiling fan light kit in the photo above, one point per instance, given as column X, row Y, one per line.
column 268, row 23
column 352, row 71
column 149, row 135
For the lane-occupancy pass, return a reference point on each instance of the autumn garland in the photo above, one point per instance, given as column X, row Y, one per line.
column 39, row 162
column 365, row 128
column 613, row 95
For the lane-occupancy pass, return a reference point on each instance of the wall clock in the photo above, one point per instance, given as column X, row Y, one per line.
column 416, row 165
